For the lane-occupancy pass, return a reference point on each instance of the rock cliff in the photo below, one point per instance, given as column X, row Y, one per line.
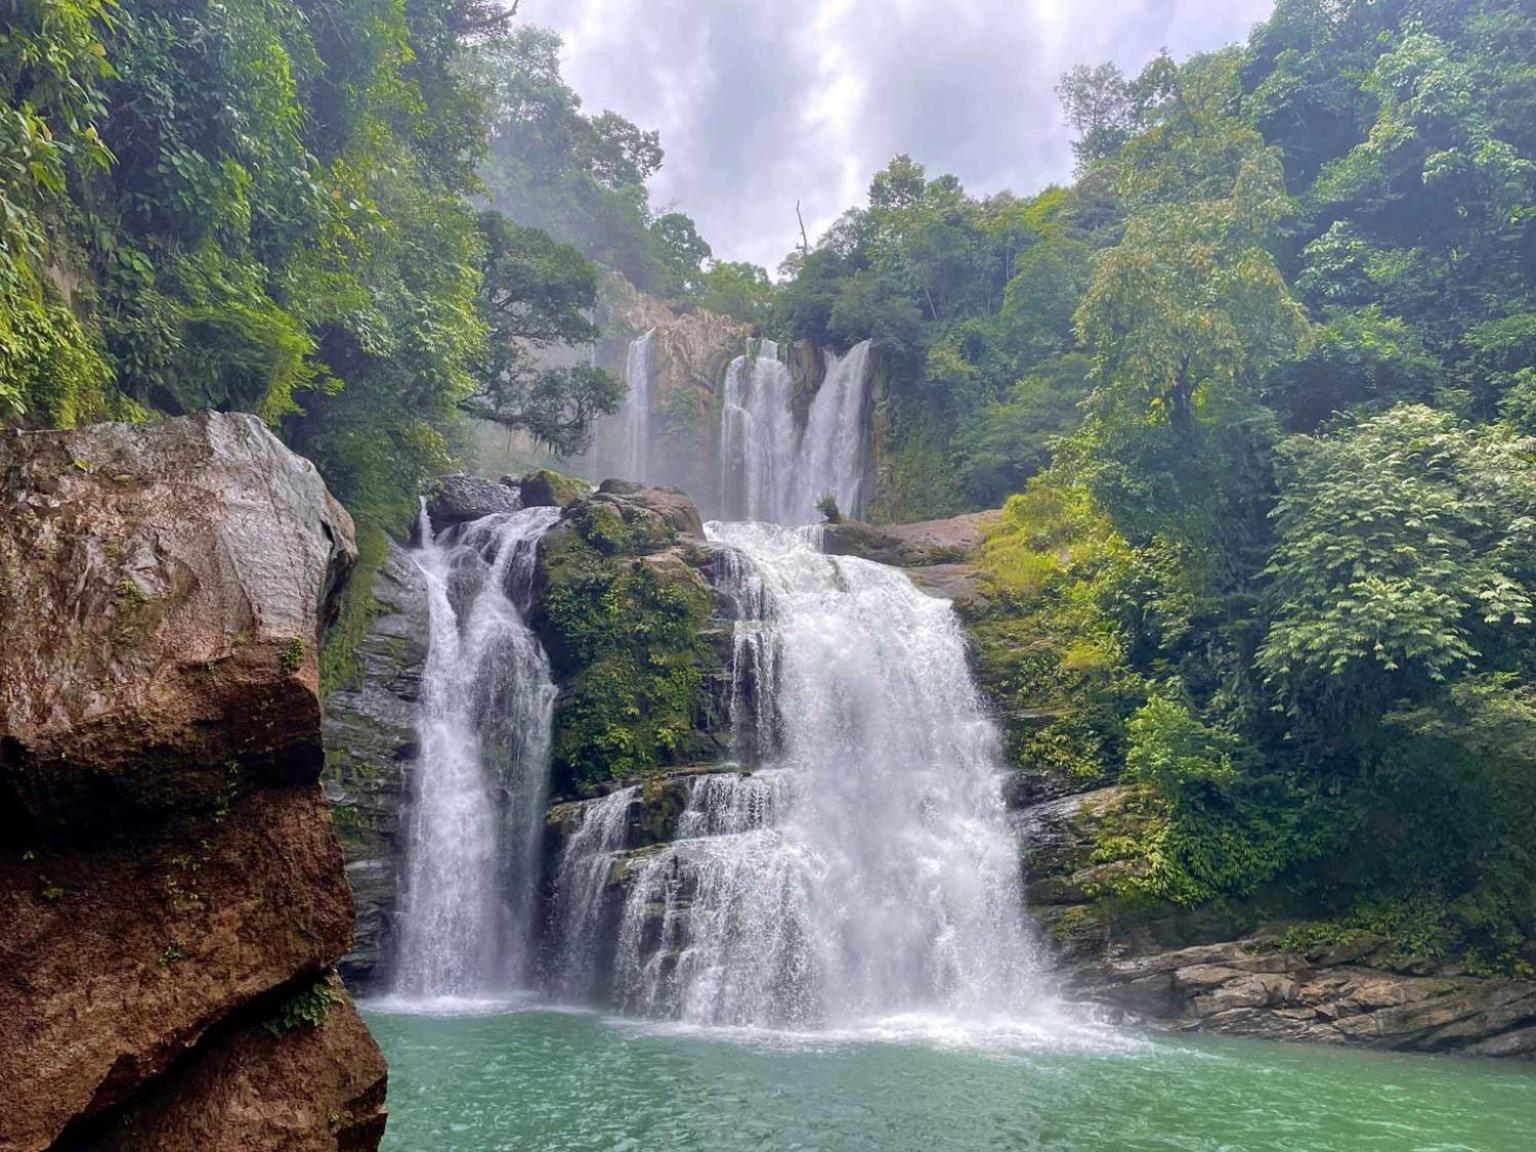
column 688, row 363
column 173, row 893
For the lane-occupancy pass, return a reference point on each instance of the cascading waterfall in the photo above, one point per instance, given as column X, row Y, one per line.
column 487, row 702
column 601, row 832
column 773, row 471
column 866, row 868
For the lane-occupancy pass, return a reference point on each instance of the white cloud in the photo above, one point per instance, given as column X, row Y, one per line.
column 761, row 104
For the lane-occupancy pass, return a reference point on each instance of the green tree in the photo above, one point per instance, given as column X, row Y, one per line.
column 535, row 293
column 1404, row 558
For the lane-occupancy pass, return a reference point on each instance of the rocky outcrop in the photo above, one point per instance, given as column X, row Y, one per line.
column 1327, row 995
column 459, row 498
column 624, row 602
column 938, row 555
column 1217, row 970
column 372, row 744
column 168, row 873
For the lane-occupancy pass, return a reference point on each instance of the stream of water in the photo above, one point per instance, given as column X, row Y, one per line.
column 472, row 851
column 863, row 867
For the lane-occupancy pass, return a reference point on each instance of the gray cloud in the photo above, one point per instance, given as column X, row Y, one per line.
column 762, row 104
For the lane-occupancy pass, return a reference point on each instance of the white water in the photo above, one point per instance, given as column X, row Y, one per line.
column 635, row 413
column 589, row 854
column 866, row 870
column 771, row 470
column 486, row 707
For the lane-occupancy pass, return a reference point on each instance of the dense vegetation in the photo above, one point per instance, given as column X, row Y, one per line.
column 268, row 206
column 1266, row 374
column 625, row 632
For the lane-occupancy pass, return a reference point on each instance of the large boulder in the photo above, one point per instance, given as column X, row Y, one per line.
column 458, row 499
column 546, row 488
column 168, row 872
column 161, row 589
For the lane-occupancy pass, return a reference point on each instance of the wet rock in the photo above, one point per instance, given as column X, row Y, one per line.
column 372, row 745
column 167, row 862
column 459, row 498
column 161, row 586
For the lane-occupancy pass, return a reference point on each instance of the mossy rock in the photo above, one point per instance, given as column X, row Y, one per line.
column 546, row 488
column 623, row 615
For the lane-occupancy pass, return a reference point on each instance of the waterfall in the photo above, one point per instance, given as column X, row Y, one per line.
column 866, row 868
column 635, row 414
column 770, row 469
column 476, row 820
column 758, row 439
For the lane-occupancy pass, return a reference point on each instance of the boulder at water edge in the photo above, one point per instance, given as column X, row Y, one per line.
column 172, row 893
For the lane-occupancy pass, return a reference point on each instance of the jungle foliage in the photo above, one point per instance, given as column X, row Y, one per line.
column 268, row 206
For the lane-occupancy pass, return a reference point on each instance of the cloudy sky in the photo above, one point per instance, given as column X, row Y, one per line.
column 762, row 103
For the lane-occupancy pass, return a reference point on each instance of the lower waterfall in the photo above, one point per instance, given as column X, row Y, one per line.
column 863, row 867
column 487, row 701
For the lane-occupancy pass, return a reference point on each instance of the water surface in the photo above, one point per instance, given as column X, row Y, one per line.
column 540, row 1080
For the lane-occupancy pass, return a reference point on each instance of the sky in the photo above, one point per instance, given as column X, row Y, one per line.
column 761, row 103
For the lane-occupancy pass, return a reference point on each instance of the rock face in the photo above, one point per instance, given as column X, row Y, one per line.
column 458, row 498
column 1246, row 988
column 168, row 874
column 688, row 364
column 372, row 745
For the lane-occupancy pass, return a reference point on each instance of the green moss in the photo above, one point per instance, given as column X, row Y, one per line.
column 624, row 636
column 340, row 667
column 307, row 1008
column 544, row 487
column 293, row 655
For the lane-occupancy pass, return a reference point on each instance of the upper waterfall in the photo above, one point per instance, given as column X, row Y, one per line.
column 635, row 414
column 477, row 811
column 771, row 468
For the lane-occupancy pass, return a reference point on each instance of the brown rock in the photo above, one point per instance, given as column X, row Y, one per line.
column 669, row 507
column 170, row 866
column 161, row 590
column 117, row 959
column 313, row 1089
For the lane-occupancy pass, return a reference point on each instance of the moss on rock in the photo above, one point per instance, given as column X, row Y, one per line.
column 622, row 610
